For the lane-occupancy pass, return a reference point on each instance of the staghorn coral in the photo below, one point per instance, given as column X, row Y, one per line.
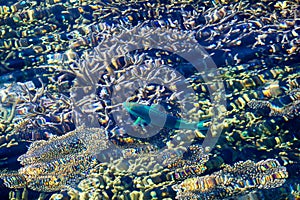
column 119, row 73
column 35, row 109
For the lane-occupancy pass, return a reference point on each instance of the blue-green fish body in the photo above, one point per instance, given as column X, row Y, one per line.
column 151, row 115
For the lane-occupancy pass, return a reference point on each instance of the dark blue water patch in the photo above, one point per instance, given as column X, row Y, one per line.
column 25, row 75
column 19, row 149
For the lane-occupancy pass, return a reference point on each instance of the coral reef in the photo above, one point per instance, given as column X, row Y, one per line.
column 65, row 63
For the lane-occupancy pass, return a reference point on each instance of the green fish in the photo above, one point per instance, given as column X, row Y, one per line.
column 151, row 115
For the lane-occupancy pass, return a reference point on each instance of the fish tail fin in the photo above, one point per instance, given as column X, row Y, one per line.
column 200, row 125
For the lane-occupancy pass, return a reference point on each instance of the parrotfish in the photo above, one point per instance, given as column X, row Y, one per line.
column 151, row 115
